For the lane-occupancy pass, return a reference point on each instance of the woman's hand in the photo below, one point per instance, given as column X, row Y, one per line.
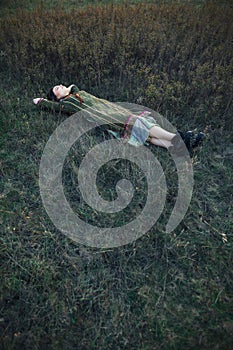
column 37, row 100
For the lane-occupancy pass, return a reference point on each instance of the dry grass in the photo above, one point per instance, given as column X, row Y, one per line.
column 162, row 291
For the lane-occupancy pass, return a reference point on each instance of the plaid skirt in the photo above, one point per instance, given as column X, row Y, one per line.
column 137, row 128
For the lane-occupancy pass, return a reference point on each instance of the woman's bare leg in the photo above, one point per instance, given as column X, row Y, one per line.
column 161, row 134
column 161, row 143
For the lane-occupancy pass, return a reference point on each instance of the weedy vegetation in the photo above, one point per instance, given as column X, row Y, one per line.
column 163, row 291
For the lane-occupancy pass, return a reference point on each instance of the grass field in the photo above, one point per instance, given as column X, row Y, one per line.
column 163, row 291
column 9, row 7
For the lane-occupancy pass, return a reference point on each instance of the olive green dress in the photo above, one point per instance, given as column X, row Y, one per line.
column 131, row 127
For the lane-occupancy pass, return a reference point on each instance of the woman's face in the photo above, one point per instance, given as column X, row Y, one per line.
column 60, row 91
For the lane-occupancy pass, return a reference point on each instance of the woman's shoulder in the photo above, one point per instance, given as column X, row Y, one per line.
column 74, row 89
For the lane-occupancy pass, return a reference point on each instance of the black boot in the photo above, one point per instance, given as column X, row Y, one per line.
column 198, row 138
column 177, row 147
column 181, row 134
column 188, row 142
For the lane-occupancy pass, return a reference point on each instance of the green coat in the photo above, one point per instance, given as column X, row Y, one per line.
column 98, row 109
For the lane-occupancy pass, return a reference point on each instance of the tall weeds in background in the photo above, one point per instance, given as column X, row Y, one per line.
column 163, row 291
column 174, row 57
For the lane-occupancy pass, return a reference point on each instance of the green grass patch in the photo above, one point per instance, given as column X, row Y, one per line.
column 10, row 7
column 162, row 291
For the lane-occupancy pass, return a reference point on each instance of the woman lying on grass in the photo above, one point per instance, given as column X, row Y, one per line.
column 136, row 129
